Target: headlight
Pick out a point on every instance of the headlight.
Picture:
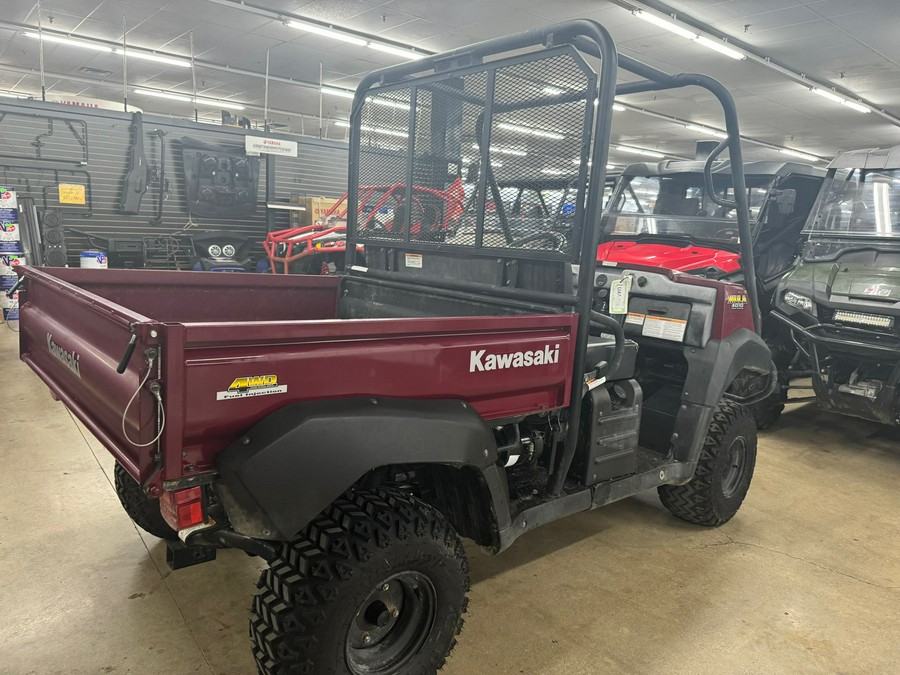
(798, 301)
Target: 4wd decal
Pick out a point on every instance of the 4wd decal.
(479, 360)
(737, 300)
(255, 385)
(70, 360)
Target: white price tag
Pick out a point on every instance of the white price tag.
(618, 295)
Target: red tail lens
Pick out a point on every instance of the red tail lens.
(183, 508)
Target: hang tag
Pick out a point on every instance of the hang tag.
(618, 295)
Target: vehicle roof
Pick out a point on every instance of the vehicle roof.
(868, 158)
(758, 168)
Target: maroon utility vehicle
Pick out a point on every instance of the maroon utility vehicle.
(350, 429)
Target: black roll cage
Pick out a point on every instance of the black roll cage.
(590, 38)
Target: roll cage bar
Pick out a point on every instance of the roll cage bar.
(590, 38)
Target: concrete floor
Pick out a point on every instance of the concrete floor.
(805, 579)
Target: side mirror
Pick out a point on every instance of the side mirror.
(785, 199)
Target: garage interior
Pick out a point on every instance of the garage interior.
(804, 579)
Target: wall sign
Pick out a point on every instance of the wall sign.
(256, 145)
(70, 193)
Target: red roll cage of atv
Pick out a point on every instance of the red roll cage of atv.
(433, 212)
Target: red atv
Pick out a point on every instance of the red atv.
(666, 215)
(320, 248)
(350, 429)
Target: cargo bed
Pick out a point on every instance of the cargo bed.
(234, 348)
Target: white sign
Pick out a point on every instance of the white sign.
(256, 145)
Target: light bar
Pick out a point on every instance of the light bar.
(396, 51)
(858, 107)
(640, 151)
(715, 133)
(328, 32)
(863, 319)
(531, 131)
(721, 47)
(668, 24)
(230, 105)
(801, 155)
(59, 39)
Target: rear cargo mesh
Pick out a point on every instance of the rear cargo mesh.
(423, 177)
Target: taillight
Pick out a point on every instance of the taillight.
(182, 509)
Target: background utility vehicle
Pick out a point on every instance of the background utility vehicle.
(664, 214)
(841, 304)
(350, 429)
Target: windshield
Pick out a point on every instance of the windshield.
(679, 205)
(861, 204)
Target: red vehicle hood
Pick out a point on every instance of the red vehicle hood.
(685, 258)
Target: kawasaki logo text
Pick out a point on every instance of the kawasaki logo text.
(70, 360)
(479, 361)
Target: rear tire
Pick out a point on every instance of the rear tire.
(723, 472)
(376, 584)
(143, 510)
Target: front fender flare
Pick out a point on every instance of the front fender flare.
(291, 465)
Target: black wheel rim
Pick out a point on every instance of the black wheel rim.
(735, 466)
(391, 624)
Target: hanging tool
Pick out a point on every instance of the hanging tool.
(161, 177)
(137, 177)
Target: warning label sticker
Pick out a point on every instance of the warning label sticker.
(634, 318)
(413, 260)
(664, 329)
(257, 385)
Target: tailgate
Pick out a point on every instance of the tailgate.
(74, 340)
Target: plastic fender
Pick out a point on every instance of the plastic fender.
(711, 371)
(287, 468)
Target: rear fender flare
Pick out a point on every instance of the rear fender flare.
(711, 371)
(292, 464)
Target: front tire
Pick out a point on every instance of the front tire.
(723, 472)
(143, 510)
(376, 584)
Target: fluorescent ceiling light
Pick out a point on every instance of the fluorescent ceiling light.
(640, 151)
(387, 102)
(328, 32)
(531, 131)
(553, 91)
(801, 155)
(824, 93)
(231, 105)
(97, 47)
(334, 91)
(858, 107)
(396, 51)
(618, 107)
(374, 130)
(553, 172)
(147, 56)
(707, 131)
(721, 47)
(12, 94)
(668, 24)
(504, 151)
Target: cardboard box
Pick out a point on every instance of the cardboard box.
(316, 208)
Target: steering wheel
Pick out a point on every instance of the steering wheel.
(728, 233)
(557, 241)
